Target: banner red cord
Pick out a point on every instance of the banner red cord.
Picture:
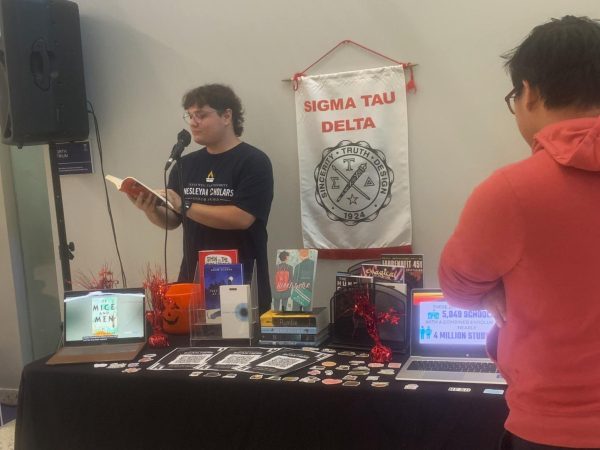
(410, 86)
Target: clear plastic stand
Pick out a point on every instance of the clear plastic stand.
(237, 324)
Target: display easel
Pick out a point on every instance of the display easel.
(206, 328)
(347, 330)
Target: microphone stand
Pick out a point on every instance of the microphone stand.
(183, 140)
(184, 220)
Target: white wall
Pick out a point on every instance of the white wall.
(32, 183)
(141, 55)
(15, 344)
(29, 307)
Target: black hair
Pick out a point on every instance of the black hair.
(219, 97)
(561, 58)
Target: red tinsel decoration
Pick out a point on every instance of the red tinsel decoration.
(363, 307)
(105, 279)
(157, 286)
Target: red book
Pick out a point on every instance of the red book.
(134, 187)
(206, 257)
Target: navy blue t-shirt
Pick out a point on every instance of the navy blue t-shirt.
(243, 177)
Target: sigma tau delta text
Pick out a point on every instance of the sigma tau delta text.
(340, 104)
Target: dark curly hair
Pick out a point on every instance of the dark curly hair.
(219, 97)
(561, 58)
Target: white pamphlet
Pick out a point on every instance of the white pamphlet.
(235, 311)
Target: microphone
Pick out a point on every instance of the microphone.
(183, 140)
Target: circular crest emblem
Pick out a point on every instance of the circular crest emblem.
(353, 182)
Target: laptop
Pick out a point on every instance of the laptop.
(448, 343)
(103, 325)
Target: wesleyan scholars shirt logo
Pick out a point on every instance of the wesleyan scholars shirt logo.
(210, 177)
(208, 192)
(353, 182)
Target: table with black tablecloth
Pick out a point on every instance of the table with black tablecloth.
(80, 407)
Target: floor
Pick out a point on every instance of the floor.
(7, 413)
(7, 427)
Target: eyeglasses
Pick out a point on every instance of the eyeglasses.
(510, 100)
(198, 116)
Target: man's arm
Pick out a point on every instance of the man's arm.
(226, 217)
(486, 244)
(223, 217)
(160, 216)
(495, 303)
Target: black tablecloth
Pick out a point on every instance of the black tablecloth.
(85, 408)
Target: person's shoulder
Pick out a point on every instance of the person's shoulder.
(194, 155)
(511, 180)
(253, 154)
(526, 171)
(251, 150)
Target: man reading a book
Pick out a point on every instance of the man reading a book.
(527, 243)
(223, 192)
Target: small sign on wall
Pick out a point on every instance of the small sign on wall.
(73, 157)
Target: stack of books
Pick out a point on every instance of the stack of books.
(299, 329)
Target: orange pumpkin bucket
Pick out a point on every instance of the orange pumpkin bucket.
(178, 299)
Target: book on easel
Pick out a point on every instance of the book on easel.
(413, 267)
(207, 257)
(295, 272)
(134, 187)
(345, 280)
(215, 276)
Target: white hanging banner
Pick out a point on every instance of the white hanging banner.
(353, 153)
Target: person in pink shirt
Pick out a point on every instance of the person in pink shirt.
(527, 245)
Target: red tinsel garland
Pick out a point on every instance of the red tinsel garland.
(105, 279)
(157, 287)
(363, 307)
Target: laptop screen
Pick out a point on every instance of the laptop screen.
(439, 329)
(104, 316)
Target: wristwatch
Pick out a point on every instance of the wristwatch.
(185, 206)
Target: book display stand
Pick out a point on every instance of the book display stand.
(356, 268)
(237, 321)
(348, 330)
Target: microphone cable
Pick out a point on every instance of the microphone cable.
(183, 140)
(183, 220)
(166, 223)
(184, 223)
(112, 222)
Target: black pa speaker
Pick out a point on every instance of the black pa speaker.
(42, 88)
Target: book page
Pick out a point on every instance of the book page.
(133, 187)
